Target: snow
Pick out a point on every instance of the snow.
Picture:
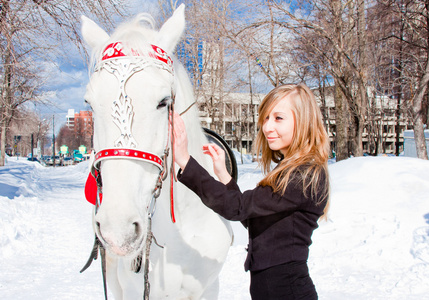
(375, 244)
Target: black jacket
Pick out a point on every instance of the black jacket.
(280, 227)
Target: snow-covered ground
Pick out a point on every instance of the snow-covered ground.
(375, 244)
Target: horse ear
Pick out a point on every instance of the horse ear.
(171, 32)
(93, 34)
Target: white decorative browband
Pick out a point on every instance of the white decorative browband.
(117, 50)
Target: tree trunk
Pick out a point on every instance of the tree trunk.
(3, 144)
(358, 117)
(353, 135)
(398, 94)
(341, 125)
(362, 99)
(6, 100)
(419, 134)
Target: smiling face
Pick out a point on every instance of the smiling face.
(279, 125)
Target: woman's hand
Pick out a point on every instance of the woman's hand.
(180, 138)
(218, 156)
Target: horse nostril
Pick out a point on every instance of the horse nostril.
(97, 224)
(137, 228)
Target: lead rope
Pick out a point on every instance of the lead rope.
(172, 170)
(146, 263)
(94, 255)
(149, 233)
(103, 269)
(100, 245)
(157, 191)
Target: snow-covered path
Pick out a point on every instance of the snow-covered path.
(374, 246)
(51, 238)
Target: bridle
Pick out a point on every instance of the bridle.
(124, 62)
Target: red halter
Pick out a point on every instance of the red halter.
(129, 154)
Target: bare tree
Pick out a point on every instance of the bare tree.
(405, 26)
(66, 136)
(267, 39)
(255, 33)
(370, 50)
(208, 56)
(415, 15)
(341, 27)
(33, 32)
(27, 132)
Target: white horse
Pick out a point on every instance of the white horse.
(131, 89)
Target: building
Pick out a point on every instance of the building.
(236, 116)
(410, 144)
(82, 125)
(235, 120)
(383, 127)
(81, 122)
(70, 119)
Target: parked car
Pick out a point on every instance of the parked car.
(45, 157)
(77, 156)
(33, 159)
(67, 161)
(50, 161)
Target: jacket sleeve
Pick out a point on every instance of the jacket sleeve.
(229, 202)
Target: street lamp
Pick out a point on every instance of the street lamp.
(41, 133)
(53, 141)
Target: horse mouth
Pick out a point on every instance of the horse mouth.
(129, 247)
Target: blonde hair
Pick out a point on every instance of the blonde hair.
(307, 155)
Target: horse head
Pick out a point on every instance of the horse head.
(131, 92)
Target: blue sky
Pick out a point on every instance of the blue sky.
(67, 79)
(65, 89)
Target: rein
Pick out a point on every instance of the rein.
(189, 107)
(125, 147)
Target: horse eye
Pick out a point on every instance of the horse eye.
(164, 102)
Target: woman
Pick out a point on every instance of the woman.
(282, 211)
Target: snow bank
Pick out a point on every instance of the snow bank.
(375, 244)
